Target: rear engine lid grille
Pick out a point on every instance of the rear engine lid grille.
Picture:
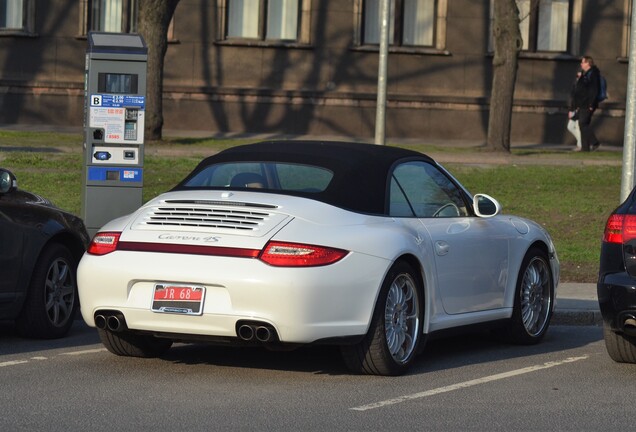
(209, 217)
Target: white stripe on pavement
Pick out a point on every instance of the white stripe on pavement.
(40, 358)
(466, 384)
(91, 351)
(13, 363)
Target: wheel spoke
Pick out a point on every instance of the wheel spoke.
(59, 292)
(535, 296)
(401, 317)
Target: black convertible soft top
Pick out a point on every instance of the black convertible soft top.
(361, 171)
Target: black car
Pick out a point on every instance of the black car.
(617, 282)
(40, 247)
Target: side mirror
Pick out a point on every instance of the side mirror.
(8, 182)
(486, 206)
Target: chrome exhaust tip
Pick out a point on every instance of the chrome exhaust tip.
(263, 334)
(116, 323)
(100, 322)
(246, 332)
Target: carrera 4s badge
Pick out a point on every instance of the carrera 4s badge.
(189, 238)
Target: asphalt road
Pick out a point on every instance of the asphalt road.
(464, 383)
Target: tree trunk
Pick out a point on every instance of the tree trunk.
(153, 21)
(507, 43)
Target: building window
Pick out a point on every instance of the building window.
(270, 20)
(544, 24)
(16, 17)
(114, 16)
(412, 23)
(549, 26)
(627, 29)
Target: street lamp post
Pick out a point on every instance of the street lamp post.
(629, 142)
(380, 114)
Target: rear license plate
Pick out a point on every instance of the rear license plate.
(178, 299)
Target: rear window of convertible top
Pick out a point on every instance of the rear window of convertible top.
(267, 175)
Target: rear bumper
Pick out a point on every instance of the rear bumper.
(301, 305)
(617, 301)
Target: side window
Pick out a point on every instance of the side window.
(420, 188)
(17, 17)
(266, 20)
(398, 205)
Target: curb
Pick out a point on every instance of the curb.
(573, 317)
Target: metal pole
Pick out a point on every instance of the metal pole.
(380, 114)
(629, 142)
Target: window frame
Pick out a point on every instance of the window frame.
(439, 30)
(85, 19)
(28, 22)
(627, 30)
(573, 49)
(303, 38)
(534, 26)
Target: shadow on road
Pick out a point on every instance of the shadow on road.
(442, 354)
(79, 337)
(438, 355)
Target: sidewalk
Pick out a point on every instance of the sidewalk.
(576, 304)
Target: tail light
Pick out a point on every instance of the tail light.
(281, 254)
(620, 228)
(104, 243)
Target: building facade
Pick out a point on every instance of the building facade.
(309, 67)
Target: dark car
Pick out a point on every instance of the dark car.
(40, 246)
(617, 282)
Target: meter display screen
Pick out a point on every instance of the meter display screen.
(117, 83)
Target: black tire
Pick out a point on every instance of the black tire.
(51, 300)
(395, 333)
(620, 347)
(534, 300)
(129, 344)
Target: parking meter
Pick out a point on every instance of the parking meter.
(114, 109)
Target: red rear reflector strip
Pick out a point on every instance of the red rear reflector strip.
(188, 249)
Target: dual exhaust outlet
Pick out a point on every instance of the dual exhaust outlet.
(110, 320)
(255, 331)
(247, 331)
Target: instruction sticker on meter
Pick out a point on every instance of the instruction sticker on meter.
(121, 117)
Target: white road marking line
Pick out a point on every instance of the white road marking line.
(40, 358)
(466, 384)
(13, 363)
(91, 351)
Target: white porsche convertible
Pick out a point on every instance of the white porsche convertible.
(368, 247)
